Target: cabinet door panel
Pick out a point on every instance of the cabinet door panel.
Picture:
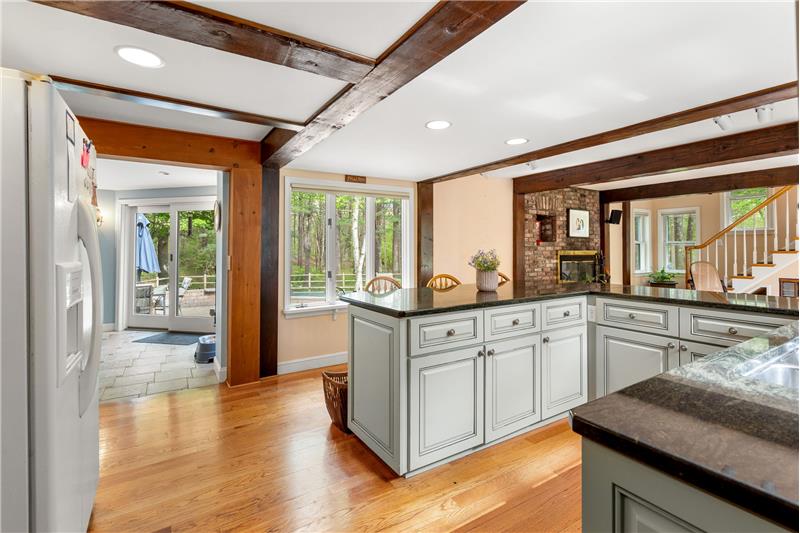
(564, 370)
(511, 321)
(694, 351)
(566, 312)
(512, 386)
(446, 405)
(628, 357)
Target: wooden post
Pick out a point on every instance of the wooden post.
(424, 233)
(518, 275)
(626, 243)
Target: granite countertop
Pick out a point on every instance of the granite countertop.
(424, 301)
(714, 424)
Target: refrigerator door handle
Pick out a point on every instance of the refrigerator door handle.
(87, 233)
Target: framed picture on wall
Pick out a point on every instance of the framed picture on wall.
(578, 222)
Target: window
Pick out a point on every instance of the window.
(339, 237)
(641, 241)
(678, 228)
(738, 203)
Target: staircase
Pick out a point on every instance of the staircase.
(753, 259)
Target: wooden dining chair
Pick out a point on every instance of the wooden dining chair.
(703, 276)
(442, 282)
(382, 285)
(503, 278)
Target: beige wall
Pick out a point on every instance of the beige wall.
(469, 214)
(302, 337)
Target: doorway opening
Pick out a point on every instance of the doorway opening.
(164, 242)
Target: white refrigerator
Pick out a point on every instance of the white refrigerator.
(50, 320)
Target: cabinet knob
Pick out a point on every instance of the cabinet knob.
(671, 345)
(566, 313)
(733, 331)
(490, 352)
(481, 353)
(684, 347)
(546, 340)
(631, 315)
(515, 322)
(451, 332)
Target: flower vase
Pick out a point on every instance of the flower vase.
(486, 280)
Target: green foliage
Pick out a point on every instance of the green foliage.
(661, 276)
(485, 261)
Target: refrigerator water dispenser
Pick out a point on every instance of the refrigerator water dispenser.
(69, 306)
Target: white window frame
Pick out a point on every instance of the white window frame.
(332, 304)
(647, 244)
(725, 212)
(661, 243)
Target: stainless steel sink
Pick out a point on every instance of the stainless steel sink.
(783, 371)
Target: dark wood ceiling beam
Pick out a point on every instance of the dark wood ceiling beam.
(696, 114)
(174, 104)
(206, 27)
(762, 143)
(773, 177)
(447, 27)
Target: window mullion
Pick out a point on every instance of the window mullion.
(330, 248)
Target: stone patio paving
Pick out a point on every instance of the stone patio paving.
(132, 369)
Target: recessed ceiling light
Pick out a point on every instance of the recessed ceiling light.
(517, 140)
(438, 125)
(139, 56)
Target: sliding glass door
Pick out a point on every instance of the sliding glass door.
(173, 283)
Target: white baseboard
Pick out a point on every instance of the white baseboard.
(111, 326)
(309, 363)
(220, 371)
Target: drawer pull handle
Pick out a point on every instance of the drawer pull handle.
(684, 347)
(632, 316)
(733, 331)
(515, 322)
(671, 345)
(566, 313)
(546, 340)
(481, 353)
(451, 332)
(490, 352)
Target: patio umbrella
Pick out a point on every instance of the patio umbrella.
(146, 256)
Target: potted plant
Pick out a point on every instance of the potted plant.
(485, 265)
(662, 278)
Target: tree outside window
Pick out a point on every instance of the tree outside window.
(738, 203)
(678, 230)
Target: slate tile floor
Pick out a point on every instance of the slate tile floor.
(132, 369)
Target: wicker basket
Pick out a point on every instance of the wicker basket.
(334, 384)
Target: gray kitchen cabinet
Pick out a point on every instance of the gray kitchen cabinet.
(628, 357)
(513, 370)
(564, 370)
(694, 351)
(725, 328)
(445, 404)
(638, 316)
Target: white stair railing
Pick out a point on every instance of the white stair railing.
(731, 267)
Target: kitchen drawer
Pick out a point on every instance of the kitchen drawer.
(694, 351)
(563, 312)
(725, 328)
(510, 321)
(446, 331)
(639, 316)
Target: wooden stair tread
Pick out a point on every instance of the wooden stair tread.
(742, 277)
(783, 252)
(763, 264)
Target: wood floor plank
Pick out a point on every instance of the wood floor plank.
(265, 457)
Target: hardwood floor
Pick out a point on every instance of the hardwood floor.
(265, 457)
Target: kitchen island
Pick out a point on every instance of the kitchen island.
(435, 375)
(708, 446)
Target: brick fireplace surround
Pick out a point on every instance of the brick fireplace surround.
(541, 261)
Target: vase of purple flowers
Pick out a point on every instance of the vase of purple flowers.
(485, 264)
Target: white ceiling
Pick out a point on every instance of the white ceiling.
(366, 28)
(556, 71)
(783, 112)
(761, 164)
(122, 111)
(116, 175)
(52, 41)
